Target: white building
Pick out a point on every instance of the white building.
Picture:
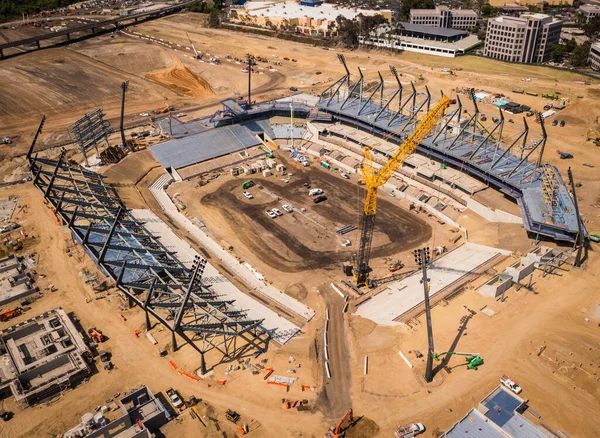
(419, 38)
(528, 38)
(442, 16)
(589, 12)
(595, 56)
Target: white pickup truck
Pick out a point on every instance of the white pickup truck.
(174, 397)
(409, 431)
(510, 384)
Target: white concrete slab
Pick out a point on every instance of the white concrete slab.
(401, 296)
(280, 328)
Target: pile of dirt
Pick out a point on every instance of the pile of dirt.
(181, 79)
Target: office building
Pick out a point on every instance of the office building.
(442, 16)
(595, 56)
(527, 39)
(589, 12)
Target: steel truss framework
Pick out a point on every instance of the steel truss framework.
(150, 276)
(511, 163)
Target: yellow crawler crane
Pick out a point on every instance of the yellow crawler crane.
(375, 179)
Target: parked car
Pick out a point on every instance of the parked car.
(305, 163)
(293, 89)
(181, 115)
(287, 208)
(286, 59)
(319, 199)
(315, 192)
(318, 73)
(294, 60)
(144, 114)
(248, 195)
(554, 122)
(271, 214)
(345, 175)
(562, 123)
(277, 212)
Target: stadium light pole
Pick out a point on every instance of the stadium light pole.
(124, 87)
(422, 258)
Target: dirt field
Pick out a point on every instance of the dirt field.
(300, 241)
(541, 338)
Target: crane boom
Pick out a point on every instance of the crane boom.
(375, 179)
(196, 54)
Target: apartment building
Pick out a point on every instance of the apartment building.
(527, 39)
(595, 56)
(442, 16)
(589, 12)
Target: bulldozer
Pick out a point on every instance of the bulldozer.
(339, 430)
(96, 335)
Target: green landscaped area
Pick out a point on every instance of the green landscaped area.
(492, 66)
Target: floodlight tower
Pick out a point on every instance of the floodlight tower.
(250, 61)
(124, 86)
(422, 258)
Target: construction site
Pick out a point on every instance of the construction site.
(202, 237)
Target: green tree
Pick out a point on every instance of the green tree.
(592, 29)
(580, 55)
(558, 52)
(214, 19)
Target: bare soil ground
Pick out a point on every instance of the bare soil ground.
(560, 380)
(308, 238)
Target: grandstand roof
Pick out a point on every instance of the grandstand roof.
(209, 144)
(429, 30)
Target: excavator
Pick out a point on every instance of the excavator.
(593, 135)
(473, 359)
(360, 268)
(339, 431)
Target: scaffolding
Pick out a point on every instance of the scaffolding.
(550, 191)
(149, 275)
(90, 130)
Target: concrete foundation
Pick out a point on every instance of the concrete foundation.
(496, 286)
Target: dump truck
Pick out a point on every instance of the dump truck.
(409, 431)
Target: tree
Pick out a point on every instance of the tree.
(558, 52)
(214, 19)
(481, 35)
(579, 57)
(489, 11)
(592, 29)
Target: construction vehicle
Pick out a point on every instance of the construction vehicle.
(232, 416)
(163, 110)
(338, 431)
(10, 314)
(473, 359)
(409, 431)
(510, 384)
(96, 335)
(197, 55)
(593, 135)
(396, 266)
(175, 399)
(374, 180)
